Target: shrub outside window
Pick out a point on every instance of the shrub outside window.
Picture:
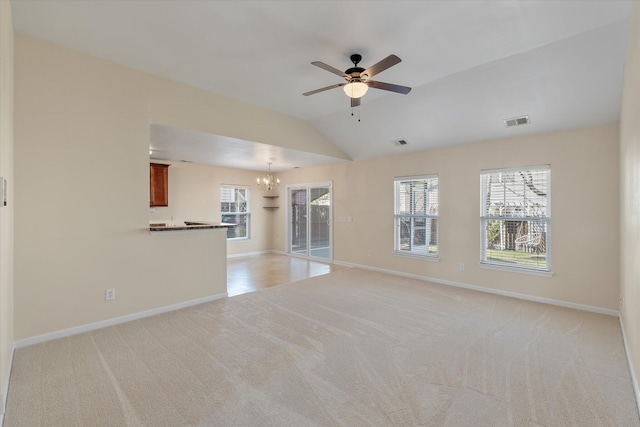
(515, 217)
(235, 209)
(416, 215)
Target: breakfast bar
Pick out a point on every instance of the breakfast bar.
(161, 227)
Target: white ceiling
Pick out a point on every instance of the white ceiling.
(168, 143)
(470, 63)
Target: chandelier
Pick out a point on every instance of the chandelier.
(268, 183)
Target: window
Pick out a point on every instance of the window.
(515, 217)
(416, 215)
(235, 208)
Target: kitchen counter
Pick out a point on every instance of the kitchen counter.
(188, 225)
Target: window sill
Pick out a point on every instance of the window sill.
(522, 270)
(431, 258)
(238, 239)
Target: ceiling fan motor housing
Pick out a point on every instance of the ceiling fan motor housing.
(355, 71)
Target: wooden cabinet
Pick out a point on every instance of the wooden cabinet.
(158, 184)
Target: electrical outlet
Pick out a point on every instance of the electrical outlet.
(110, 294)
(369, 253)
(461, 267)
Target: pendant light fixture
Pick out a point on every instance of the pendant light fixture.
(268, 182)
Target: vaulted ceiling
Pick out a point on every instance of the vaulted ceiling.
(471, 64)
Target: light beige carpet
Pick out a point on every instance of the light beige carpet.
(351, 348)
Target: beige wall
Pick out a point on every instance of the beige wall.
(82, 187)
(584, 200)
(630, 191)
(83, 168)
(194, 195)
(6, 171)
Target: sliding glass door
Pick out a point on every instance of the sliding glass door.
(309, 220)
(298, 221)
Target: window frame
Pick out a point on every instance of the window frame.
(544, 219)
(398, 216)
(236, 214)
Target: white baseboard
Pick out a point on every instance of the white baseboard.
(266, 251)
(244, 254)
(5, 386)
(526, 297)
(517, 295)
(114, 321)
(634, 378)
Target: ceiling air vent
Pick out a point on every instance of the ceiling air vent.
(400, 142)
(516, 121)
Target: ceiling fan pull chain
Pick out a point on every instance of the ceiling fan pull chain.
(358, 107)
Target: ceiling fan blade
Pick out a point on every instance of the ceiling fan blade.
(388, 86)
(323, 89)
(329, 68)
(387, 62)
(355, 102)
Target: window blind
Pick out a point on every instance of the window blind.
(416, 215)
(235, 209)
(515, 216)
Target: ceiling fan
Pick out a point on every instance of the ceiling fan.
(357, 78)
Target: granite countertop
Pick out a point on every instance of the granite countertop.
(188, 225)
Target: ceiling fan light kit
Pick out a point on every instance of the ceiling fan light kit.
(355, 89)
(357, 78)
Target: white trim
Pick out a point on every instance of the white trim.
(543, 167)
(5, 386)
(414, 177)
(233, 188)
(514, 218)
(238, 239)
(288, 219)
(311, 184)
(236, 185)
(517, 295)
(247, 254)
(430, 258)
(305, 257)
(634, 378)
(397, 216)
(114, 321)
(484, 218)
(521, 270)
